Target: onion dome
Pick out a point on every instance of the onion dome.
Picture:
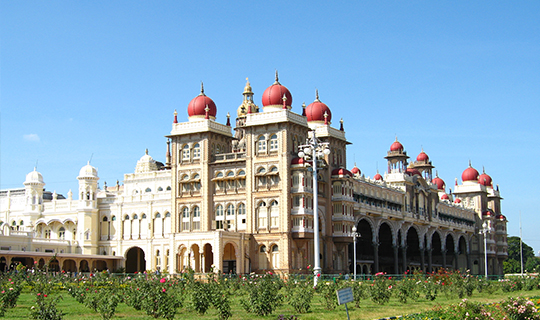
(445, 197)
(422, 156)
(378, 177)
(88, 171)
(273, 95)
(34, 177)
(341, 172)
(485, 179)
(355, 170)
(487, 213)
(396, 146)
(317, 111)
(439, 182)
(197, 108)
(146, 164)
(458, 200)
(500, 217)
(412, 172)
(470, 174)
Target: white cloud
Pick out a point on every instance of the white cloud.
(31, 137)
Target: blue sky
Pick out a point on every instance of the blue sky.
(101, 79)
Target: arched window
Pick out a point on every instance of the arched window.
(196, 218)
(230, 210)
(219, 211)
(113, 218)
(62, 233)
(230, 174)
(219, 175)
(261, 170)
(274, 169)
(158, 215)
(126, 217)
(185, 219)
(135, 217)
(197, 151)
(263, 260)
(262, 249)
(144, 216)
(241, 209)
(261, 144)
(169, 188)
(274, 214)
(167, 215)
(196, 212)
(105, 219)
(273, 143)
(148, 190)
(275, 257)
(160, 189)
(185, 212)
(262, 214)
(185, 153)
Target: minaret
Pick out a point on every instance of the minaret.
(397, 158)
(88, 218)
(33, 186)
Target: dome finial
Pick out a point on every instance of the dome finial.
(175, 116)
(317, 95)
(145, 152)
(277, 78)
(483, 170)
(202, 89)
(470, 166)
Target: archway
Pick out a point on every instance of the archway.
(450, 252)
(135, 260)
(436, 251)
(386, 249)
(462, 255)
(229, 259)
(208, 257)
(54, 265)
(195, 258)
(3, 264)
(83, 266)
(413, 250)
(69, 266)
(364, 245)
(100, 265)
(181, 259)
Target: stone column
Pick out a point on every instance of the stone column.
(404, 253)
(396, 254)
(456, 263)
(422, 259)
(468, 261)
(430, 259)
(376, 256)
(444, 258)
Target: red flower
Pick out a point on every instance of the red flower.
(163, 280)
(45, 295)
(318, 274)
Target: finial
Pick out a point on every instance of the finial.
(228, 119)
(470, 163)
(202, 89)
(146, 151)
(277, 78)
(175, 116)
(456, 181)
(304, 108)
(437, 173)
(396, 138)
(284, 101)
(483, 170)
(326, 118)
(341, 125)
(206, 110)
(317, 95)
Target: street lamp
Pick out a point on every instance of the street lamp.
(485, 230)
(354, 235)
(315, 150)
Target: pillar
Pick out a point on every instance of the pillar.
(422, 260)
(444, 258)
(376, 256)
(430, 259)
(396, 267)
(404, 253)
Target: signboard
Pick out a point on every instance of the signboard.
(344, 295)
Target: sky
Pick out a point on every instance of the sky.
(99, 81)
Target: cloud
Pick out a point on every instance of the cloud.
(31, 137)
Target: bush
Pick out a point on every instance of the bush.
(263, 294)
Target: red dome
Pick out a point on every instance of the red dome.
(422, 156)
(378, 177)
(412, 172)
(316, 111)
(439, 182)
(273, 95)
(198, 105)
(396, 146)
(341, 172)
(458, 200)
(485, 180)
(355, 170)
(470, 174)
(487, 213)
(500, 217)
(445, 197)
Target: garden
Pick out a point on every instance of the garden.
(440, 295)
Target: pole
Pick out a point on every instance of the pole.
(354, 263)
(520, 244)
(317, 261)
(485, 250)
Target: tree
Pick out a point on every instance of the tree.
(513, 263)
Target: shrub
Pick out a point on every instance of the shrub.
(263, 294)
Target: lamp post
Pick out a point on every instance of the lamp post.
(315, 150)
(354, 235)
(485, 230)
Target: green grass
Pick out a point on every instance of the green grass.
(369, 310)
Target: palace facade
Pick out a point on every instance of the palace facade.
(242, 200)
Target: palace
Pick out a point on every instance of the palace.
(241, 199)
